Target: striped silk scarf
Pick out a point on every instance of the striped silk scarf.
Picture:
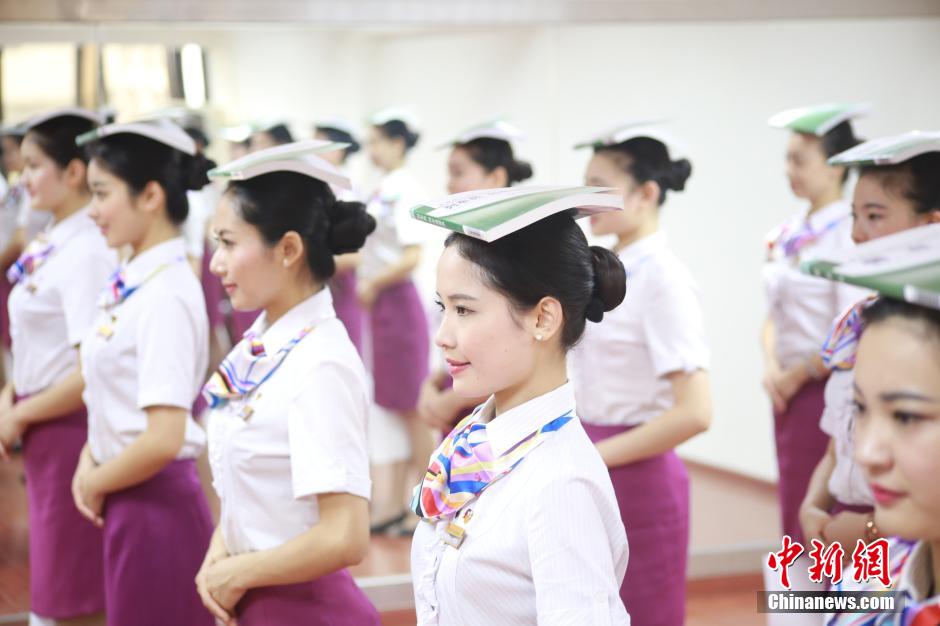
(33, 256)
(245, 368)
(464, 465)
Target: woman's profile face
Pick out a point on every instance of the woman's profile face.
(897, 425)
(482, 339)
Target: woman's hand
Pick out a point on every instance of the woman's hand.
(814, 520)
(216, 552)
(367, 294)
(88, 501)
(220, 581)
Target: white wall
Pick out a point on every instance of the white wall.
(719, 81)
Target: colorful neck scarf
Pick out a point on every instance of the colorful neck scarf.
(838, 352)
(33, 256)
(465, 464)
(245, 368)
(793, 240)
(118, 290)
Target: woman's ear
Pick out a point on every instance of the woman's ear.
(291, 249)
(76, 173)
(649, 192)
(546, 320)
(151, 198)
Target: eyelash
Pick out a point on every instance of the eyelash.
(903, 417)
(460, 309)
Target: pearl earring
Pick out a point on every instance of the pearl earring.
(538, 337)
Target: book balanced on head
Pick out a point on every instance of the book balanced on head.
(493, 213)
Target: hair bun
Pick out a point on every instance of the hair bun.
(679, 173)
(196, 172)
(519, 171)
(610, 283)
(350, 224)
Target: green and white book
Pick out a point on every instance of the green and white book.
(299, 156)
(905, 266)
(890, 150)
(493, 213)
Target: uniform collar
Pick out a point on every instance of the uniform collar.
(75, 223)
(511, 427)
(312, 311)
(642, 248)
(144, 264)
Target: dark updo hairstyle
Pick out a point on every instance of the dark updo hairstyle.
(490, 153)
(341, 136)
(56, 138)
(550, 258)
(647, 159)
(137, 160)
(280, 134)
(838, 139)
(281, 202)
(884, 309)
(917, 180)
(397, 129)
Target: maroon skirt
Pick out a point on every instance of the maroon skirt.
(155, 537)
(65, 550)
(331, 600)
(801, 444)
(346, 305)
(653, 496)
(400, 347)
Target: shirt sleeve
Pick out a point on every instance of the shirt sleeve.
(674, 327)
(327, 431)
(410, 231)
(570, 553)
(167, 353)
(80, 291)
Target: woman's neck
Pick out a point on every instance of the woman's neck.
(646, 229)
(824, 199)
(287, 299)
(70, 207)
(552, 374)
(160, 232)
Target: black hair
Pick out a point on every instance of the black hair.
(397, 129)
(281, 202)
(339, 135)
(56, 138)
(647, 159)
(550, 258)
(280, 134)
(917, 179)
(490, 153)
(884, 308)
(137, 160)
(202, 141)
(838, 139)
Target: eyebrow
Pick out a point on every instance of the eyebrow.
(873, 205)
(220, 232)
(458, 296)
(894, 396)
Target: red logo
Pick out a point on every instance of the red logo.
(869, 561)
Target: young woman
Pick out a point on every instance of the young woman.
(520, 521)
(640, 375)
(287, 432)
(397, 325)
(897, 439)
(480, 158)
(56, 283)
(800, 307)
(343, 283)
(142, 365)
(888, 199)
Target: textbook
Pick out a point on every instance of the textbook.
(905, 266)
(493, 213)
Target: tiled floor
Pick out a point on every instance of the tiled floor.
(727, 511)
